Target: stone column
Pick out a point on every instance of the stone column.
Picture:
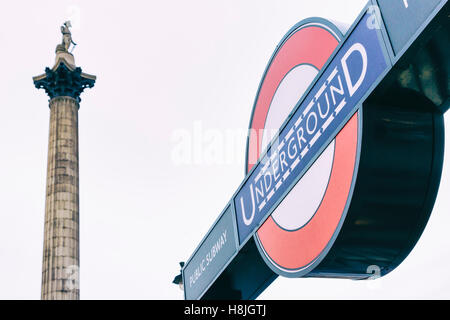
(60, 267)
(61, 243)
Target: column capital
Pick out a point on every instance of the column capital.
(64, 79)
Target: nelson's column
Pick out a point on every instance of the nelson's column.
(63, 83)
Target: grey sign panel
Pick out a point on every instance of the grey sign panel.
(211, 256)
(403, 18)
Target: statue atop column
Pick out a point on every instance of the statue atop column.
(66, 38)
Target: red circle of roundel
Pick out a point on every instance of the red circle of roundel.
(291, 251)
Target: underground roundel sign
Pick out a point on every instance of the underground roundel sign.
(344, 155)
(304, 224)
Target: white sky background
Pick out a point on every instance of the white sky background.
(162, 66)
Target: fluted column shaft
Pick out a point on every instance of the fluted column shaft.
(60, 268)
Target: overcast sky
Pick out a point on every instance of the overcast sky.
(163, 68)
